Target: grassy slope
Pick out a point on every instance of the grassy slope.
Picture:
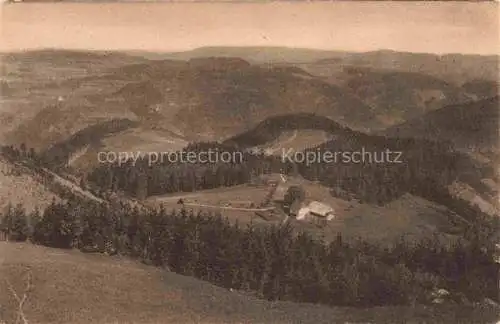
(17, 185)
(72, 287)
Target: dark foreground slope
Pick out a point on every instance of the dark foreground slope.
(72, 287)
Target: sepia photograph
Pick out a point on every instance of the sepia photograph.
(249, 162)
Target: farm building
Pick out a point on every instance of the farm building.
(316, 211)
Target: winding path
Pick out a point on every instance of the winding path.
(231, 208)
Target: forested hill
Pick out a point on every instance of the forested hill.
(271, 128)
(474, 125)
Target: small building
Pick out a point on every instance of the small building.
(319, 209)
(316, 211)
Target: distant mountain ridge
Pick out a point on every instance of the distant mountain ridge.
(398, 96)
(209, 97)
(459, 66)
(215, 93)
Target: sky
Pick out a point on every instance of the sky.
(432, 27)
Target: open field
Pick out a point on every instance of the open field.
(409, 216)
(297, 140)
(205, 200)
(218, 195)
(72, 287)
(144, 140)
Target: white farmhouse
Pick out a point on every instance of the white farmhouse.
(316, 212)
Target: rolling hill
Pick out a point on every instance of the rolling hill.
(254, 54)
(471, 126)
(400, 96)
(454, 68)
(271, 128)
(91, 138)
(168, 103)
(209, 98)
(214, 93)
(217, 97)
(482, 89)
(396, 96)
(32, 89)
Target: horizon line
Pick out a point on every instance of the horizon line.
(180, 51)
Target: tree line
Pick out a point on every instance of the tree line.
(272, 262)
(428, 168)
(139, 179)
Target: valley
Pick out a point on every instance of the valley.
(264, 239)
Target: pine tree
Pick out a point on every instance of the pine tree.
(15, 223)
(56, 228)
(6, 219)
(293, 194)
(34, 218)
